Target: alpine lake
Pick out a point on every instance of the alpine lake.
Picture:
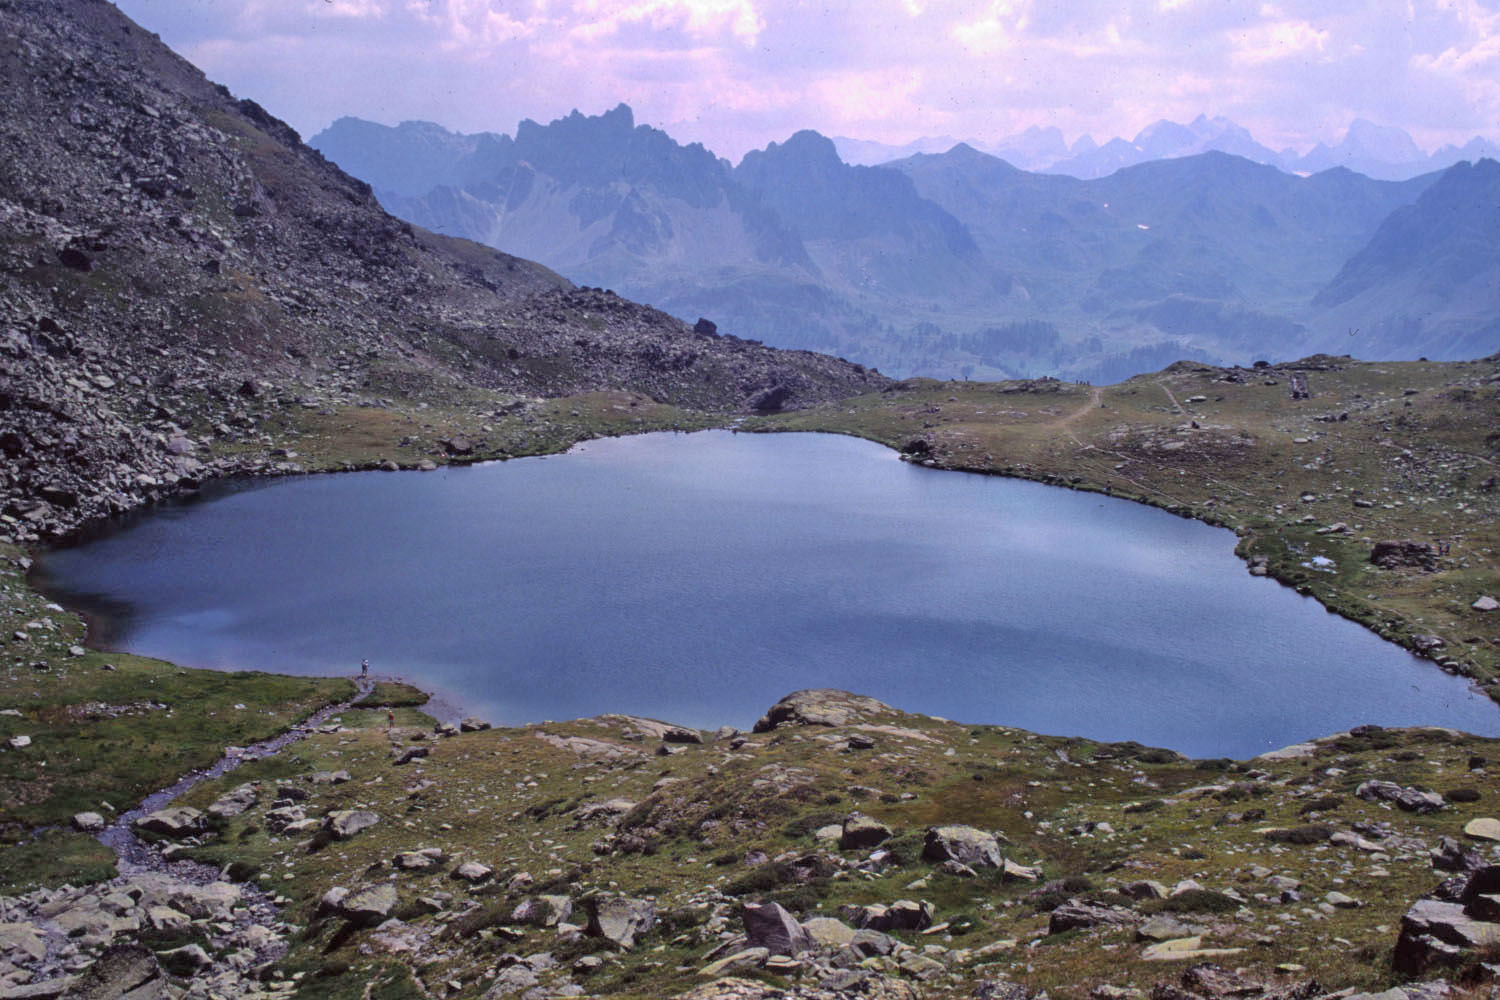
(697, 578)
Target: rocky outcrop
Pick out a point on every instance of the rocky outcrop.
(1459, 920)
(182, 270)
(620, 920)
(1394, 554)
(820, 707)
(964, 845)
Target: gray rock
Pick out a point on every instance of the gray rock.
(185, 961)
(1077, 914)
(869, 942)
(543, 911)
(860, 832)
(346, 823)
(368, 907)
(902, 915)
(232, 804)
(278, 819)
(419, 860)
(620, 919)
(1486, 603)
(1407, 799)
(770, 926)
(820, 707)
(178, 821)
(124, 972)
(473, 872)
(328, 778)
(828, 934)
(472, 725)
(963, 844)
(88, 822)
(1163, 928)
(410, 754)
(510, 981)
(678, 734)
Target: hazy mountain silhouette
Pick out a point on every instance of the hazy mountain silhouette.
(950, 263)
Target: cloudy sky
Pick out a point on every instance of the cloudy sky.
(737, 74)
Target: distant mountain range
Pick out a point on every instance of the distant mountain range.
(1377, 151)
(958, 263)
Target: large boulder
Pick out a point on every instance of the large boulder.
(177, 821)
(964, 844)
(620, 919)
(820, 707)
(345, 823)
(371, 906)
(235, 802)
(861, 832)
(1395, 554)
(1449, 927)
(1408, 799)
(543, 911)
(1075, 914)
(122, 970)
(770, 926)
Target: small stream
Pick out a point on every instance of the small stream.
(135, 855)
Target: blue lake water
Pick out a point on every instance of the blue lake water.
(698, 578)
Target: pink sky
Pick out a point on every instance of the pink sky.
(737, 74)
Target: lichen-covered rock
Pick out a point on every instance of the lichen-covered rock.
(964, 844)
(820, 707)
(346, 823)
(177, 821)
(770, 926)
(620, 920)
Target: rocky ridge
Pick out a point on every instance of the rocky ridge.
(177, 270)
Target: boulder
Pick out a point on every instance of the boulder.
(1407, 799)
(964, 844)
(511, 980)
(1483, 828)
(232, 804)
(419, 860)
(178, 821)
(368, 907)
(278, 819)
(1395, 554)
(543, 911)
(472, 725)
(860, 832)
(770, 926)
(410, 754)
(746, 958)
(819, 707)
(122, 970)
(1078, 914)
(188, 960)
(346, 823)
(1486, 603)
(679, 734)
(620, 919)
(1451, 856)
(902, 915)
(88, 822)
(473, 872)
(827, 933)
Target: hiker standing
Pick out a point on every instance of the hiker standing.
(364, 668)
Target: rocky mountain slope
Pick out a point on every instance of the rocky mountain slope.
(179, 269)
(1430, 276)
